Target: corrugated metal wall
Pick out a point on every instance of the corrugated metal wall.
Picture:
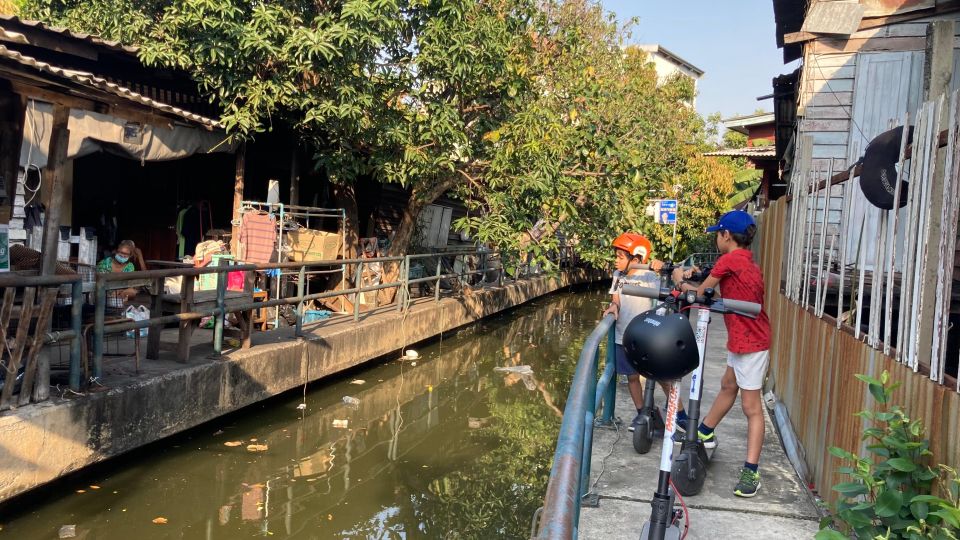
(813, 364)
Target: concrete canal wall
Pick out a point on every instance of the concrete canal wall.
(42, 442)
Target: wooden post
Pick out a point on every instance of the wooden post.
(156, 306)
(56, 156)
(937, 72)
(238, 180)
(186, 327)
(294, 177)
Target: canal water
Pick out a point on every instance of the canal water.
(444, 447)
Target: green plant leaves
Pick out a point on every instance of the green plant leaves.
(902, 464)
(890, 497)
(888, 503)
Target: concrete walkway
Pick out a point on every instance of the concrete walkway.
(782, 509)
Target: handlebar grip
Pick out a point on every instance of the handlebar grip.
(637, 290)
(740, 306)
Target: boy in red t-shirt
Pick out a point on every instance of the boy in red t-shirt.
(748, 340)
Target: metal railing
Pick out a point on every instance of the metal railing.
(190, 309)
(570, 475)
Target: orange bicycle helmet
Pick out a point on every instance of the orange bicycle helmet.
(635, 244)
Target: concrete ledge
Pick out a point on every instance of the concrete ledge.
(42, 442)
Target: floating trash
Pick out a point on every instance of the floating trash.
(68, 531)
(342, 424)
(410, 354)
(351, 401)
(519, 370)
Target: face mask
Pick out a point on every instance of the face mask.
(121, 259)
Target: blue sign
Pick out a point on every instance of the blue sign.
(667, 212)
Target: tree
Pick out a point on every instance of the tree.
(531, 111)
(734, 139)
(596, 142)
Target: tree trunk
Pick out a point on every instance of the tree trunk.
(404, 235)
(346, 198)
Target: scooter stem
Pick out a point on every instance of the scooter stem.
(661, 508)
(696, 380)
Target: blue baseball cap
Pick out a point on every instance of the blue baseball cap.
(735, 221)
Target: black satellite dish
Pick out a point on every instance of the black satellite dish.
(878, 178)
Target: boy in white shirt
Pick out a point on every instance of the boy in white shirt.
(632, 248)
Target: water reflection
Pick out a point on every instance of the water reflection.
(446, 448)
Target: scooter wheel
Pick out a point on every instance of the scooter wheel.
(688, 474)
(642, 435)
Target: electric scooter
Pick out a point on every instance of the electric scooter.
(690, 467)
(664, 522)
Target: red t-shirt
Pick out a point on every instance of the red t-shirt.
(741, 279)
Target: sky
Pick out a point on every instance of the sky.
(733, 41)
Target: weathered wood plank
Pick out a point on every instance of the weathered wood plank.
(828, 85)
(829, 150)
(837, 112)
(828, 99)
(833, 60)
(817, 125)
(30, 369)
(819, 72)
(13, 362)
(868, 45)
(828, 138)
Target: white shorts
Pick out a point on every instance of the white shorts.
(750, 368)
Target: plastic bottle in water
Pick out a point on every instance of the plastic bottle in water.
(351, 401)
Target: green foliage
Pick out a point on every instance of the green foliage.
(597, 141)
(889, 494)
(734, 139)
(530, 111)
(745, 185)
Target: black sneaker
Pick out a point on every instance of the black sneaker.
(636, 420)
(680, 430)
(748, 485)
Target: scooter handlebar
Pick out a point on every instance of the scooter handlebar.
(720, 305)
(646, 292)
(741, 307)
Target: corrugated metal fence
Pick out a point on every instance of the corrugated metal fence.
(813, 364)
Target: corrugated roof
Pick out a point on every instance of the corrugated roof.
(90, 80)
(755, 152)
(89, 38)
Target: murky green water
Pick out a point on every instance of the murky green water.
(447, 448)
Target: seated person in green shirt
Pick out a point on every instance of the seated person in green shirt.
(121, 262)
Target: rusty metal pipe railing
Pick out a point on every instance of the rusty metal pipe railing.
(570, 473)
(103, 284)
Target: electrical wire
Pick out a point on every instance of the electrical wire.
(686, 512)
(816, 64)
(603, 462)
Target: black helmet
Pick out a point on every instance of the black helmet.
(661, 347)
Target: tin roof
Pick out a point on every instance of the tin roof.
(89, 80)
(64, 32)
(752, 152)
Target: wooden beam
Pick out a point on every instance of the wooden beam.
(56, 156)
(842, 45)
(238, 181)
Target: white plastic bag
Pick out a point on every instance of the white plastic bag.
(137, 313)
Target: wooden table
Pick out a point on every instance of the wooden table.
(166, 304)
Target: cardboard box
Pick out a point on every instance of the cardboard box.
(311, 245)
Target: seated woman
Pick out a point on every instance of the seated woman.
(121, 262)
